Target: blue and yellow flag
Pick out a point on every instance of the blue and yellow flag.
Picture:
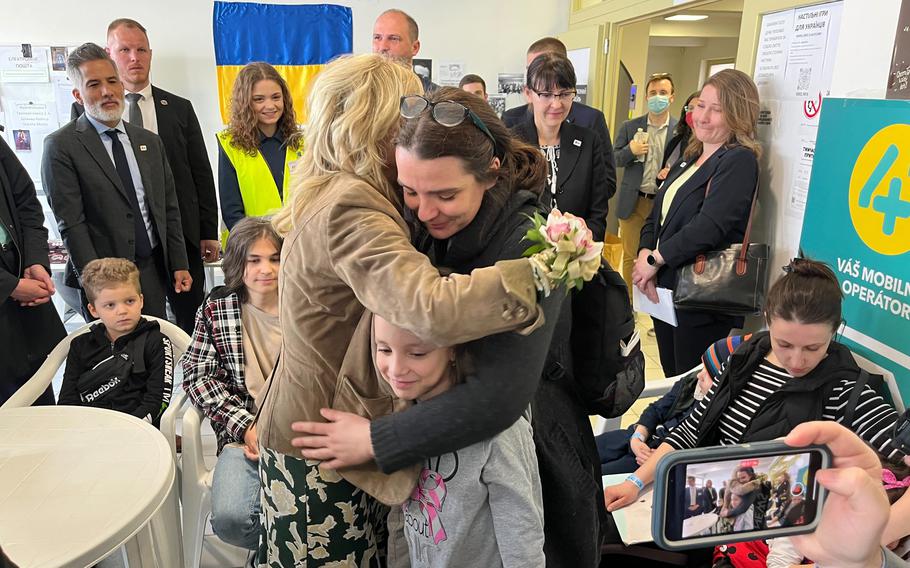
(298, 40)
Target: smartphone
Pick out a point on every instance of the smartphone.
(709, 496)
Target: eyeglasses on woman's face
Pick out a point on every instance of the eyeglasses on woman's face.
(562, 96)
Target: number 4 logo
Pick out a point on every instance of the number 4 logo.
(879, 210)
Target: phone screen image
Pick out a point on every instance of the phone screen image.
(710, 498)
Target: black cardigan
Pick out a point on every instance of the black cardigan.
(508, 366)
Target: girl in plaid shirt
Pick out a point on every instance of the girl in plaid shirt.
(235, 345)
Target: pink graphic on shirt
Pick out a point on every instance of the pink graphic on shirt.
(430, 494)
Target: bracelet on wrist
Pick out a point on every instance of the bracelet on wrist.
(638, 436)
(638, 482)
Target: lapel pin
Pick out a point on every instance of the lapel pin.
(142, 148)
(577, 143)
(682, 164)
(164, 102)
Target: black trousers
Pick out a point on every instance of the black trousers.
(681, 347)
(185, 304)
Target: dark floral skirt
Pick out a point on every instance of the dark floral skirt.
(314, 518)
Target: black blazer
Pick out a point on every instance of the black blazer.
(21, 216)
(91, 206)
(580, 115)
(27, 334)
(695, 224)
(179, 129)
(582, 185)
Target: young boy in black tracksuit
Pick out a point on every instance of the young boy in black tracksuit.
(123, 363)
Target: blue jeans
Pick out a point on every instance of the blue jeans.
(235, 499)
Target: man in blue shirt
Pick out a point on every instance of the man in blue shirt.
(111, 188)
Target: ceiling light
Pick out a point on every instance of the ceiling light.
(685, 18)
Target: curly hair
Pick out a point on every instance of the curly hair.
(243, 126)
(353, 117)
(108, 272)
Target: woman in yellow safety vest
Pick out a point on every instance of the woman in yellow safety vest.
(255, 149)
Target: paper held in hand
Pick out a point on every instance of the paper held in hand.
(664, 309)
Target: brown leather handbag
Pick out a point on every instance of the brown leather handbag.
(731, 281)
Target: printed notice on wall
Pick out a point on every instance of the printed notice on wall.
(799, 187)
(24, 64)
(806, 57)
(771, 59)
(29, 123)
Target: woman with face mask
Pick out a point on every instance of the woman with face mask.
(792, 373)
(576, 174)
(681, 134)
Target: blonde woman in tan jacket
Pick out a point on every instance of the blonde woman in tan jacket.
(347, 249)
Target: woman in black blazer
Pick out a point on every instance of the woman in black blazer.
(577, 176)
(685, 222)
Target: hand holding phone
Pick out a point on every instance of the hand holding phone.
(856, 510)
(765, 490)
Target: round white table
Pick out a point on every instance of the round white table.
(77, 483)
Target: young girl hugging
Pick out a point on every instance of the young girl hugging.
(478, 506)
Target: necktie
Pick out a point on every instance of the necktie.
(135, 117)
(143, 244)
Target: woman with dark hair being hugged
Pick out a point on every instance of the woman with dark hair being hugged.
(793, 373)
(257, 147)
(235, 345)
(576, 173)
(688, 220)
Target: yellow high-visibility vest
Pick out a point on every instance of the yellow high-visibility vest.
(257, 185)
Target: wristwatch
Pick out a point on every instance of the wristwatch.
(651, 260)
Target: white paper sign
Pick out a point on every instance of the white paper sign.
(450, 73)
(633, 521)
(15, 68)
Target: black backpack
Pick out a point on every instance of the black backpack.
(608, 383)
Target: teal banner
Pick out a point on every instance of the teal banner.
(858, 220)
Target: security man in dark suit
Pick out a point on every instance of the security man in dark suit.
(29, 324)
(174, 120)
(111, 188)
(580, 114)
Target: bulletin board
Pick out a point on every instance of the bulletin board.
(35, 99)
(794, 64)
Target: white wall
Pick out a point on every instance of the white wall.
(490, 37)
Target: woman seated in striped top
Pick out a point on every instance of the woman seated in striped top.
(793, 373)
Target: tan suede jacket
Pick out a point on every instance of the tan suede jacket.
(350, 250)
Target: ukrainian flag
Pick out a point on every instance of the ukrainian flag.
(298, 40)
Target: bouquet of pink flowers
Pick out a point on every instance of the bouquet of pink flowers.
(564, 251)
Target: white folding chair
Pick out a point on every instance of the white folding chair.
(195, 487)
(37, 384)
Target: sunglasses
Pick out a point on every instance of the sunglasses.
(446, 113)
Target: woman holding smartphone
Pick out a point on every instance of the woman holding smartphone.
(793, 373)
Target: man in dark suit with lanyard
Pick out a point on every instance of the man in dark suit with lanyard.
(579, 114)
(29, 324)
(111, 188)
(174, 120)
